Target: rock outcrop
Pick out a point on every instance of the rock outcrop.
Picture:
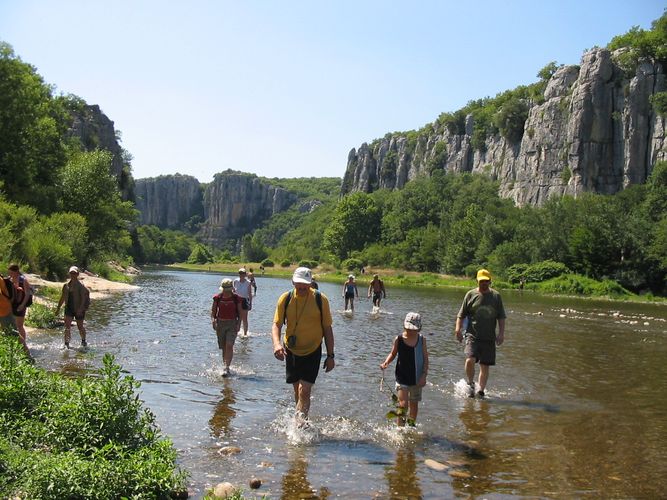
(96, 131)
(231, 206)
(595, 131)
(169, 201)
(236, 203)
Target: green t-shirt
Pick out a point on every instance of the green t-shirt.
(483, 311)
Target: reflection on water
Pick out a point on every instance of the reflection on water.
(576, 405)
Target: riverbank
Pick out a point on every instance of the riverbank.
(570, 285)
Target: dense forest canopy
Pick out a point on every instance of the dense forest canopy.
(60, 204)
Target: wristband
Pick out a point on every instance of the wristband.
(330, 356)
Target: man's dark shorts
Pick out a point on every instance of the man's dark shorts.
(245, 304)
(484, 351)
(69, 312)
(349, 295)
(303, 367)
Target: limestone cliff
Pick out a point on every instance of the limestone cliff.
(594, 131)
(231, 206)
(169, 201)
(236, 203)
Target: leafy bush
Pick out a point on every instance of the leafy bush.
(580, 285)
(311, 264)
(535, 273)
(40, 316)
(659, 102)
(285, 263)
(200, 255)
(267, 263)
(101, 442)
(352, 264)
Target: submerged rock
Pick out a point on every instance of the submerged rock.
(435, 465)
(223, 490)
(229, 450)
(255, 483)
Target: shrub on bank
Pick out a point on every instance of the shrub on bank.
(574, 284)
(88, 437)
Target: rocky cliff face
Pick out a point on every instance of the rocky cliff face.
(169, 201)
(96, 131)
(595, 131)
(236, 203)
(233, 205)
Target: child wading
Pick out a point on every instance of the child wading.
(411, 367)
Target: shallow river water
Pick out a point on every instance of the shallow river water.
(576, 405)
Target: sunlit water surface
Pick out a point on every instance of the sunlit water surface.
(576, 405)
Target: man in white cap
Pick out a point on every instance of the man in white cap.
(76, 298)
(483, 308)
(243, 288)
(308, 317)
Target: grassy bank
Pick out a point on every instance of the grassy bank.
(88, 437)
(573, 285)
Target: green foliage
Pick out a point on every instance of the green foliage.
(285, 263)
(40, 316)
(352, 264)
(511, 118)
(310, 264)
(200, 255)
(642, 44)
(659, 102)
(90, 190)
(534, 273)
(267, 263)
(253, 249)
(101, 442)
(162, 246)
(355, 223)
(32, 128)
(573, 284)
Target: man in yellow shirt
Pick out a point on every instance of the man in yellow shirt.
(306, 313)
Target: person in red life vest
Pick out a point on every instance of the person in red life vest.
(226, 317)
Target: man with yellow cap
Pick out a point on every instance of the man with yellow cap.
(482, 308)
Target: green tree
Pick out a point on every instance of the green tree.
(356, 222)
(32, 125)
(90, 190)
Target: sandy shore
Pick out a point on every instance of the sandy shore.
(99, 287)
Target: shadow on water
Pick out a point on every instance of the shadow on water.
(549, 408)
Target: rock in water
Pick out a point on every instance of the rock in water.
(255, 483)
(435, 465)
(223, 490)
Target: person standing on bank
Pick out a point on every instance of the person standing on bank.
(243, 288)
(21, 283)
(350, 291)
(226, 317)
(76, 298)
(307, 315)
(483, 307)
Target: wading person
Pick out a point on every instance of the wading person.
(7, 321)
(226, 317)
(483, 307)
(21, 285)
(411, 367)
(76, 298)
(306, 314)
(376, 287)
(243, 288)
(349, 292)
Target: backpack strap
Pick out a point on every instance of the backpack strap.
(318, 300)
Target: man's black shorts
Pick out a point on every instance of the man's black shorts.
(484, 351)
(303, 368)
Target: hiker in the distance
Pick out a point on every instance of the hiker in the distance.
(251, 279)
(376, 287)
(76, 298)
(243, 288)
(226, 317)
(306, 313)
(7, 321)
(21, 284)
(350, 291)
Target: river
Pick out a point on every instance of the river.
(576, 406)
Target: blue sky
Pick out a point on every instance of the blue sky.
(286, 89)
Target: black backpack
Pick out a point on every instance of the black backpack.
(11, 290)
